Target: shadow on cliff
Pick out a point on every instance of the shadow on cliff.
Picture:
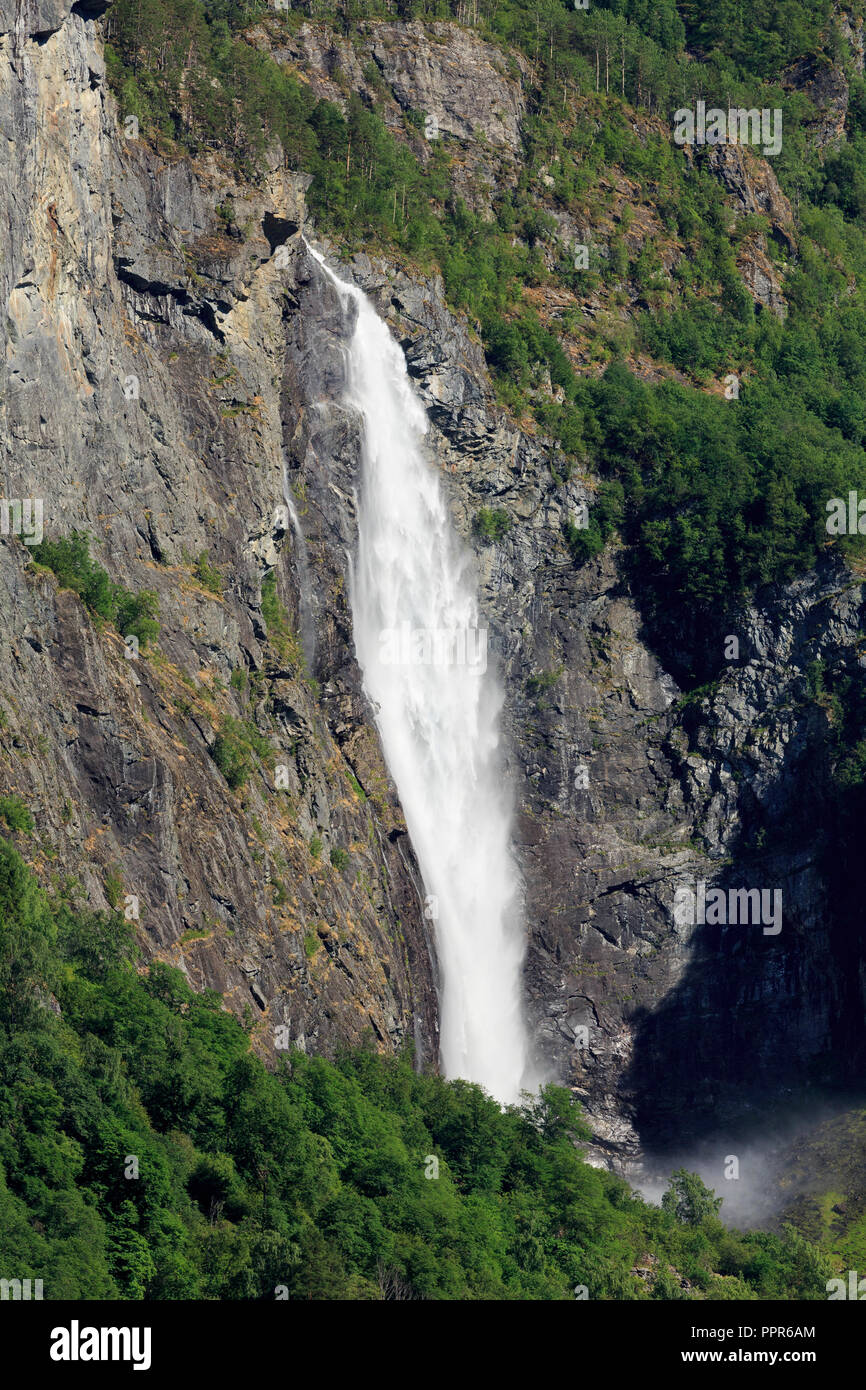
(758, 1020)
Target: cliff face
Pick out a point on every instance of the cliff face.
(147, 348)
(172, 358)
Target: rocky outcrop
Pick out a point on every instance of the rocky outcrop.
(753, 188)
(851, 29)
(445, 74)
(823, 78)
(454, 77)
(825, 85)
(429, 82)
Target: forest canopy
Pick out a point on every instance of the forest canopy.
(147, 1152)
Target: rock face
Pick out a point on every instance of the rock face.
(826, 86)
(822, 78)
(454, 77)
(148, 346)
(752, 187)
(439, 71)
(430, 82)
(173, 360)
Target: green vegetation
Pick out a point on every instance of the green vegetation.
(236, 748)
(312, 1178)
(827, 1168)
(339, 858)
(716, 497)
(207, 574)
(134, 615)
(491, 525)
(539, 685)
(15, 813)
(316, 846)
(356, 786)
(280, 634)
(113, 888)
(688, 1200)
(604, 517)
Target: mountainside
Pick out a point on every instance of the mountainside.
(643, 368)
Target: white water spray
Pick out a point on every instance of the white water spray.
(419, 647)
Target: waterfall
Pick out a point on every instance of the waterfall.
(423, 659)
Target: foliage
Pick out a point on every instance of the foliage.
(15, 813)
(605, 516)
(539, 685)
(491, 524)
(315, 1176)
(280, 634)
(71, 562)
(236, 748)
(689, 1200)
(207, 574)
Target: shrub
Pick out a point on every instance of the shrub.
(16, 815)
(74, 568)
(232, 757)
(113, 889)
(136, 615)
(207, 574)
(356, 787)
(604, 517)
(280, 634)
(538, 685)
(491, 524)
(236, 747)
(69, 559)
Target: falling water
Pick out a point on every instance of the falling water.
(423, 658)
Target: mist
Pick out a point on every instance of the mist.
(745, 1163)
